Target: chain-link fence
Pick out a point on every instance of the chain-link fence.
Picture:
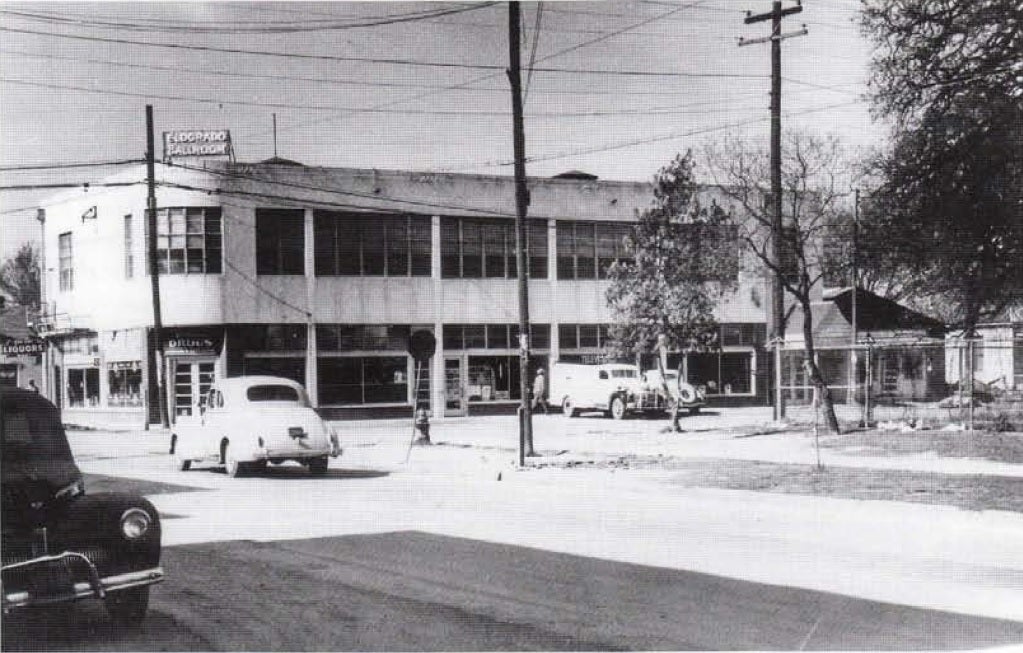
(974, 384)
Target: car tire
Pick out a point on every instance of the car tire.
(232, 465)
(173, 444)
(183, 464)
(617, 407)
(568, 408)
(257, 467)
(128, 607)
(318, 466)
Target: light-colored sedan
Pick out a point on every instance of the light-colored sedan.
(247, 421)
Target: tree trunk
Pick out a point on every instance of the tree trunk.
(668, 397)
(815, 373)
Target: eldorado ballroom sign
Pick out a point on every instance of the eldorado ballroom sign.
(196, 142)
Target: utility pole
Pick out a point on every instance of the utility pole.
(777, 291)
(855, 282)
(521, 205)
(154, 269)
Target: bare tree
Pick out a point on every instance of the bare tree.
(813, 205)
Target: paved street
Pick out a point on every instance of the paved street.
(458, 550)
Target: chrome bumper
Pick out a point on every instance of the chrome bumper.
(94, 587)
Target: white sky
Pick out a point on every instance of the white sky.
(407, 115)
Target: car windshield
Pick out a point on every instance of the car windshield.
(623, 374)
(273, 393)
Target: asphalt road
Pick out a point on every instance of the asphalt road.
(419, 591)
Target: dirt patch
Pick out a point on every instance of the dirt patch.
(969, 491)
(995, 447)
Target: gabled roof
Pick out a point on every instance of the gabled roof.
(876, 313)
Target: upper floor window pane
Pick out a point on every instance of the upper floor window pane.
(359, 244)
(280, 241)
(586, 250)
(485, 247)
(67, 272)
(129, 247)
(188, 240)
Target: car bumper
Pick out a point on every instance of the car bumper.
(63, 582)
(268, 453)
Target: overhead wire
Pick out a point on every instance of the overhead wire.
(336, 109)
(64, 166)
(405, 62)
(236, 28)
(532, 52)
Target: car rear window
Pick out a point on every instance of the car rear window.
(30, 430)
(272, 393)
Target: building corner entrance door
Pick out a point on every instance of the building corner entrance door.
(190, 381)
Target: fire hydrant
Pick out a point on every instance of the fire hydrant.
(422, 424)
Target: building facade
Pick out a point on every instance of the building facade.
(322, 275)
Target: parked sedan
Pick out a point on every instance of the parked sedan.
(248, 421)
(59, 544)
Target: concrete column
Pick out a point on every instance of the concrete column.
(311, 378)
(552, 249)
(437, 362)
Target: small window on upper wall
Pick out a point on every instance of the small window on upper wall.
(280, 241)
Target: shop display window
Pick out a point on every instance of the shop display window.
(363, 380)
(124, 384)
(83, 387)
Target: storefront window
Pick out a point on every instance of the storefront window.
(722, 373)
(363, 380)
(83, 387)
(496, 378)
(125, 384)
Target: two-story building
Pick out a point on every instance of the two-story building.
(322, 274)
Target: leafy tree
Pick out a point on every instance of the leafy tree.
(19, 276)
(949, 75)
(684, 257)
(813, 204)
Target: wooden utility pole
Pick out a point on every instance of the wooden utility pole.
(154, 269)
(777, 291)
(521, 205)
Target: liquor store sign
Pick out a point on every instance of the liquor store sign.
(23, 347)
(196, 142)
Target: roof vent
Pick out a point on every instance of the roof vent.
(576, 174)
(280, 161)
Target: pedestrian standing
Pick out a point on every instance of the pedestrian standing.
(540, 392)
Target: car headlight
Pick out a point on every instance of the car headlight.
(135, 523)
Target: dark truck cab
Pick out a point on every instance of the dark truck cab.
(59, 544)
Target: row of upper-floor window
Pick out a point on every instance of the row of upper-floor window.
(189, 240)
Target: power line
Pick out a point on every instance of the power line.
(401, 62)
(667, 137)
(63, 166)
(532, 52)
(491, 75)
(286, 28)
(85, 184)
(335, 109)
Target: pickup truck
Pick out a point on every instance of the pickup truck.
(616, 389)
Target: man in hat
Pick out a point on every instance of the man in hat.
(540, 392)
